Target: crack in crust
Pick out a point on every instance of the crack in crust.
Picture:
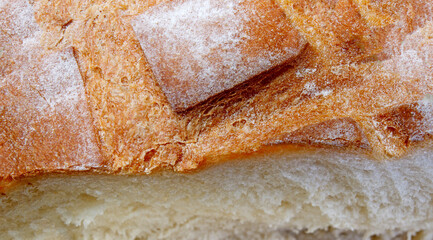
(354, 67)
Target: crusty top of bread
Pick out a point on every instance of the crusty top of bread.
(363, 81)
(197, 49)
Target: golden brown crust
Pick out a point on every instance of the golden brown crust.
(45, 121)
(197, 49)
(341, 132)
(370, 65)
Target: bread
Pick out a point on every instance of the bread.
(332, 142)
(219, 44)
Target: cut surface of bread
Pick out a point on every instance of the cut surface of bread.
(264, 196)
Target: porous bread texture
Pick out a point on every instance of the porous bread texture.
(261, 197)
(245, 198)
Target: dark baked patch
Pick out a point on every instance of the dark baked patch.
(341, 132)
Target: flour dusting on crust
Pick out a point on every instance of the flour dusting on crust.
(45, 120)
(200, 48)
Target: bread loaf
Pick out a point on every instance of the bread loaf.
(292, 120)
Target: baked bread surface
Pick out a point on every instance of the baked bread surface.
(366, 66)
(337, 141)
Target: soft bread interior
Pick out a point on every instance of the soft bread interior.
(321, 193)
